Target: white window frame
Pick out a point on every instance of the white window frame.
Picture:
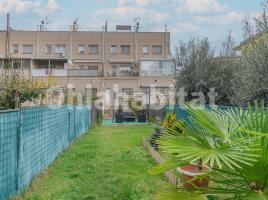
(60, 49)
(114, 49)
(81, 49)
(145, 49)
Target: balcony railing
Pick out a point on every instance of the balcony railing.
(26, 72)
(84, 73)
(49, 72)
(126, 73)
(157, 73)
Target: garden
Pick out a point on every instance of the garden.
(106, 163)
(214, 153)
(205, 151)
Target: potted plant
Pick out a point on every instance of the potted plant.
(194, 176)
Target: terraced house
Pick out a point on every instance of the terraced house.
(134, 60)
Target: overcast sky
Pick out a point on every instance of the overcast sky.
(185, 18)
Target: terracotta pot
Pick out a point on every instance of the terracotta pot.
(191, 173)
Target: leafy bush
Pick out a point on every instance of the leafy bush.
(157, 131)
(171, 122)
(16, 89)
(251, 80)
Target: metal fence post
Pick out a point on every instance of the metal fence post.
(92, 114)
(74, 122)
(19, 132)
(69, 125)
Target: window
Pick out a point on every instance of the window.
(157, 68)
(145, 49)
(125, 49)
(114, 70)
(27, 49)
(125, 70)
(60, 49)
(81, 66)
(17, 63)
(113, 49)
(1, 63)
(157, 50)
(48, 48)
(93, 49)
(92, 67)
(15, 49)
(81, 49)
(128, 91)
(26, 63)
(93, 70)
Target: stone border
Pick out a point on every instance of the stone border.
(171, 178)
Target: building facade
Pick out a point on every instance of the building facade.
(132, 60)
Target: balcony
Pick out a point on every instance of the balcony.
(84, 73)
(25, 72)
(157, 68)
(157, 73)
(125, 73)
(49, 72)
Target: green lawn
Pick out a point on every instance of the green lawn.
(107, 163)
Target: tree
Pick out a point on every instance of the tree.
(251, 81)
(199, 69)
(15, 89)
(247, 27)
(227, 46)
(257, 24)
(194, 58)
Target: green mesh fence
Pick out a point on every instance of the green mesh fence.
(182, 113)
(31, 139)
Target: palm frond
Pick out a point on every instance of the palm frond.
(195, 146)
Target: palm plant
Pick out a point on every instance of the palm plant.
(253, 179)
(232, 142)
(211, 136)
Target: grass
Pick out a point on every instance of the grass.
(105, 164)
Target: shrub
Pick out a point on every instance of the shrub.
(171, 122)
(157, 131)
(16, 89)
